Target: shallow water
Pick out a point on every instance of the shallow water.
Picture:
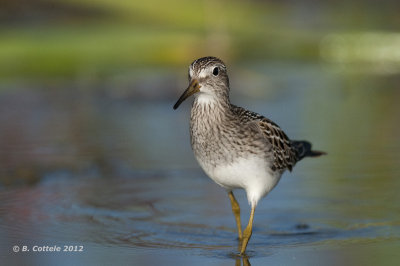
(117, 176)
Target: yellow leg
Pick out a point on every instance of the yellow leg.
(236, 212)
(247, 232)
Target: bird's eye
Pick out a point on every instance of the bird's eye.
(215, 71)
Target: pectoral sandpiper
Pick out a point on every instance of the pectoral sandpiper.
(236, 148)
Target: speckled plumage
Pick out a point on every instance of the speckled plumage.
(236, 148)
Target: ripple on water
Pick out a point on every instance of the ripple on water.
(155, 211)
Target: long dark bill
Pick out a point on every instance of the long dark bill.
(192, 89)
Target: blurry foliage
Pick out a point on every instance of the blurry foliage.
(117, 48)
(70, 38)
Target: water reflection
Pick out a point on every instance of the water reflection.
(242, 261)
(163, 211)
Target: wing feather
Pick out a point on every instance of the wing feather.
(285, 156)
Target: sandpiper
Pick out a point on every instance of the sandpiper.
(236, 148)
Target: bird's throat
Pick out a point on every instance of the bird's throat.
(209, 109)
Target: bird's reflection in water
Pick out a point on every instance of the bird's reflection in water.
(241, 259)
(244, 260)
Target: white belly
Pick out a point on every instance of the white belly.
(252, 174)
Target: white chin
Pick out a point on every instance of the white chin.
(205, 98)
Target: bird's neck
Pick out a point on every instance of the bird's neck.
(211, 105)
(208, 110)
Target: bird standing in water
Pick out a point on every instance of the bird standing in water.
(235, 147)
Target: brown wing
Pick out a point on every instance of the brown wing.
(284, 154)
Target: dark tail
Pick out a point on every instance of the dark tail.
(303, 149)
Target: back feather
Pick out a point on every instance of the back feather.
(286, 152)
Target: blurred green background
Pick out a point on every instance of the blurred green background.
(58, 58)
(86, 95)
(73, 40)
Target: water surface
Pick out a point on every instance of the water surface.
(116, 175)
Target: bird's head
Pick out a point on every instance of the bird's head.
(207, 77)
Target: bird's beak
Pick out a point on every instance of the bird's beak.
(192, 89)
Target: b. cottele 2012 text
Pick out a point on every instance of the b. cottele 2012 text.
(54, 248)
